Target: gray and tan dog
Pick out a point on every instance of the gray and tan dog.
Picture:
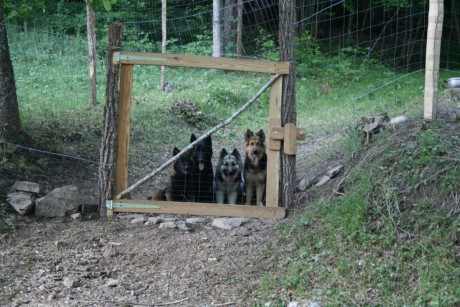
(228, 177)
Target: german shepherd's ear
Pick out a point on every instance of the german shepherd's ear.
(176, 151)
(261, 135)
(236, 153)
(192, 138)
(223, 153)
(249, 134)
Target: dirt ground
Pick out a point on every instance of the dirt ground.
(89, 262)
(62, 262)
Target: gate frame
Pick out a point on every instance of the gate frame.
(277, 135)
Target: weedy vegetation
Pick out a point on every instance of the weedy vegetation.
(389, 236)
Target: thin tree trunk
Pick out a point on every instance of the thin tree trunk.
(239, 29)
(107, 152)
(163, 42)
(10, 124)
(229, 25)
(91, 33)
(288, 106)
(216, 28)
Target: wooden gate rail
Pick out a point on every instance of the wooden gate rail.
(277, 134)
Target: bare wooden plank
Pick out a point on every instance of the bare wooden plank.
(290, 139)
(273, 152)
(194, 61)
(124, 128)
(433, 50)
(185, 208)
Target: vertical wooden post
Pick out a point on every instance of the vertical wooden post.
(288, 106)
(274, 146)
(124, 128)
(107, 151)
(433, 53)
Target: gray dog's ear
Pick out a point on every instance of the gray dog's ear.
(261, 135)
(223, 153)
(236, 153)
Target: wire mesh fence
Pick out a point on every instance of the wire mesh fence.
(353, 58)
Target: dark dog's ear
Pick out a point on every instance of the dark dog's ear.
(208, 140)
(176, 151)
(192, 138)
(236, 153)
(223, 153)
(249, 134)
(261, 135)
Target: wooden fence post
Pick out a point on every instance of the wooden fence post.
(107, 151)
(433, 53)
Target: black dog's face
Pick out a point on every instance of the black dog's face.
(184, 164)
(202, 151)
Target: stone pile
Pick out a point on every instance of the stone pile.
(26, 196)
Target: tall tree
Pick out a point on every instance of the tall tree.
(217, 28)
(91, 34)
(10, 123)
(287, 19)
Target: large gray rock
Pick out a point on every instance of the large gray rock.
(22, 202)
(27, 186)
(229, 223)
(59, 202)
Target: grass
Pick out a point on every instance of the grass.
(389, 240)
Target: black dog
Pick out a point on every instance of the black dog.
(203, 170)
(181, 185)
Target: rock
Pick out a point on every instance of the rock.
(138, 220)
(58, 202)
(75, 216)
(27, 186)
(397, 120)
(71, 281)
(323, 180)
(166, 225)
(109, 251)
(307, 182)
(244, 232)
(22, 202)
(187, 226)
(229, 223)
(332, 172)
(112, 283)
(130, 217)
(198, 220)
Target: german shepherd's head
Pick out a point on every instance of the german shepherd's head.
(183, 165)
(255, 146)
(202, 152)
(229, 166)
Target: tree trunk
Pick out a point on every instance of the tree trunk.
(10, 123)
(91, 33)
(163, 42)
(239, 29)
(107, 151)
(216, 28)
(288, 106)
(229, 25)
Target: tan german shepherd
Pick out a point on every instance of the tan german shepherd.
(255, 167)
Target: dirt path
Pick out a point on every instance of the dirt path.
(94, 263)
